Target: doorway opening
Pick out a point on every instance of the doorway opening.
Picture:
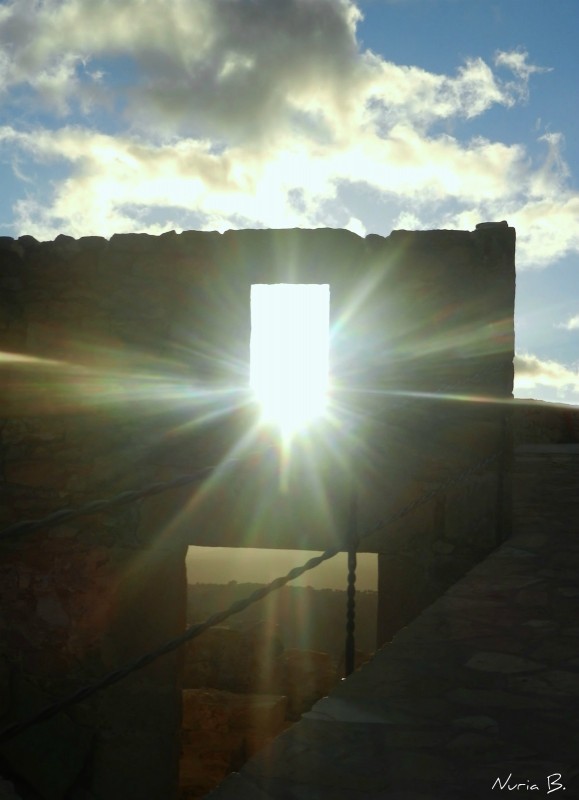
(217, 576)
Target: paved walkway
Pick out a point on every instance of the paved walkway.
(477, 698)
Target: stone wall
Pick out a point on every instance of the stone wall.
(221, 730)
(126, 361)
(240, 690)
(538, 422)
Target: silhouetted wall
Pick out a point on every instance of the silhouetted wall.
(126, 361)
(539, 422)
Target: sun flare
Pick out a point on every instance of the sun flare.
(289, 353)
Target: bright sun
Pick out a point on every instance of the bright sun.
(289, 352)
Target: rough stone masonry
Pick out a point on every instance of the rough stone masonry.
(114, 355)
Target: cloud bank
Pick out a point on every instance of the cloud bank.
(531, 371)
(214, 114)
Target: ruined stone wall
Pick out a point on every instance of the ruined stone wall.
(126, 361)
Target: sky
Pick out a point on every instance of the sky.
(371, 115)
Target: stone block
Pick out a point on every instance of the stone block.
(206, 739)
(214, 711)
(221, 730)
(206, 710)
(307, 676)
(260, 713)
(232, 660)
(92, 242)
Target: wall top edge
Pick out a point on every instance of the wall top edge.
(144, 239)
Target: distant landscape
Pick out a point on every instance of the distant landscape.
(313, 619)
(262, 565)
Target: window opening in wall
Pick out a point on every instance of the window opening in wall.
(273, 660)
(289, 353)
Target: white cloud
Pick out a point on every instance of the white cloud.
(531, 372)
(547, 230)
(549, 179)
(260, 113)
(356, 226)
(246, 184)
(572, 324)
(230, 68)
(536, 201)
(236, 68)
(517, 62)
(415, 95)
(117, 179)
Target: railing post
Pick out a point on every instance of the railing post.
(352, 545)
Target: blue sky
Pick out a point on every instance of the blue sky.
(149, 115)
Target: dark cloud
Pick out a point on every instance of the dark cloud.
(261, 61)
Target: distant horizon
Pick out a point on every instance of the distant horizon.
(221, 565)
(291, 586)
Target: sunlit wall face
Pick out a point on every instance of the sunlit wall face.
(289, 352)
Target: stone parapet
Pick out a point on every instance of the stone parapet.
(539, 422)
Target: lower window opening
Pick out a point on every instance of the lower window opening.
(263, 668)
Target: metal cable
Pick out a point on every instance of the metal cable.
(196, 630)
(123, 498)
(190, 634)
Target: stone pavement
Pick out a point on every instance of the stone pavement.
(478, 697)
